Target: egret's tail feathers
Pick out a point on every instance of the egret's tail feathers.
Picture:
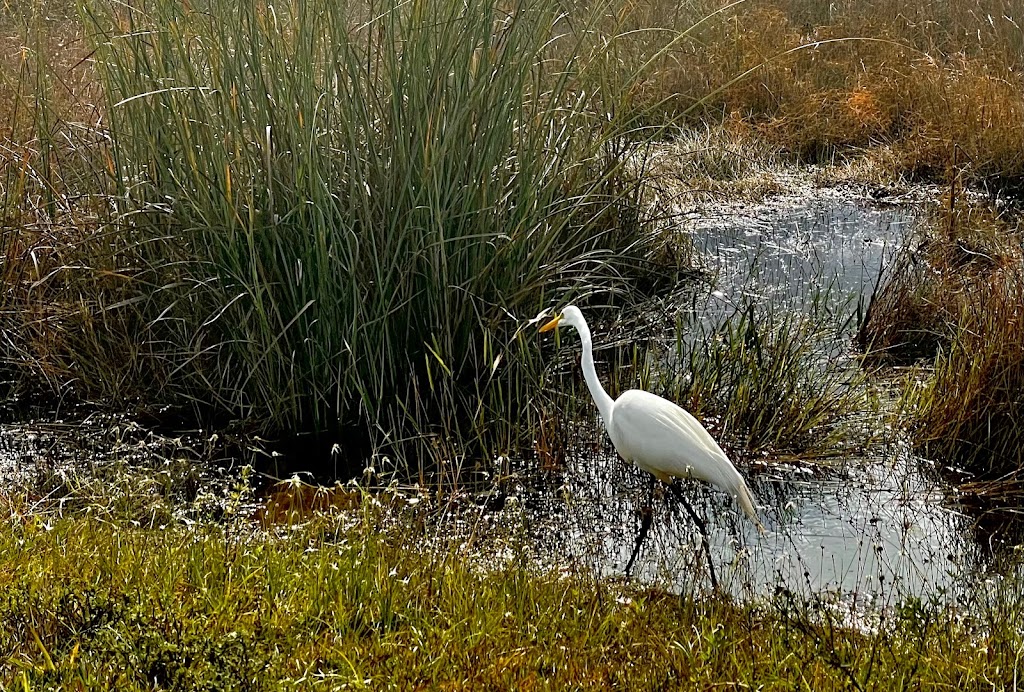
(742, 496)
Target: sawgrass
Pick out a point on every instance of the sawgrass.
(331, 218)
(951, 303)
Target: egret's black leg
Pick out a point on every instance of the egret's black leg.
(646, 517)
(702, 527)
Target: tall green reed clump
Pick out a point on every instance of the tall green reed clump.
(344, 211)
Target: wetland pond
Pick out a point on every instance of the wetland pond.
(864, 534)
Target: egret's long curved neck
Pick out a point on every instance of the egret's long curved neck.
(601, 398)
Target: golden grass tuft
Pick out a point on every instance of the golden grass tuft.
(828, 81)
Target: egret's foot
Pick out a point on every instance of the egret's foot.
(703, 528)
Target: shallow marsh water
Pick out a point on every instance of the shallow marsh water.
(866, 532)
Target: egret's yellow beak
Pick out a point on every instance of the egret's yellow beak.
(552, 324)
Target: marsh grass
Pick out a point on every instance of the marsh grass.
(350, 599)
(766, 380)
(957, 252)
(951, 300)
(55, 262)
(338, 587)
(338, 217)
(778, 381)
(938, 84)
(705, 164)
(969, 409)
(333, 218)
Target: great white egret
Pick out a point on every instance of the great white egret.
(659, 437)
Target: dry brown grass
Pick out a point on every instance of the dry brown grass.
(940, 82)
(954, 298)
(971, 410)
(958, 253)
(52, 187)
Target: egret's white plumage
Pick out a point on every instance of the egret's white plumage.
(654, 433)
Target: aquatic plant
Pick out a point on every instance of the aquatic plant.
(774, 380)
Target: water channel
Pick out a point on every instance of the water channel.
(868, 533)
(865, 533)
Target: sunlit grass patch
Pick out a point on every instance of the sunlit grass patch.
(331, 603)
(824, 83)
(707, 164)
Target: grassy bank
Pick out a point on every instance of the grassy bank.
(347, 600)
(951, 304)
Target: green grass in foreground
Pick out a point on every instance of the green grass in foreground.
(345, 601)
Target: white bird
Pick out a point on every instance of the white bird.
(659, 437)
